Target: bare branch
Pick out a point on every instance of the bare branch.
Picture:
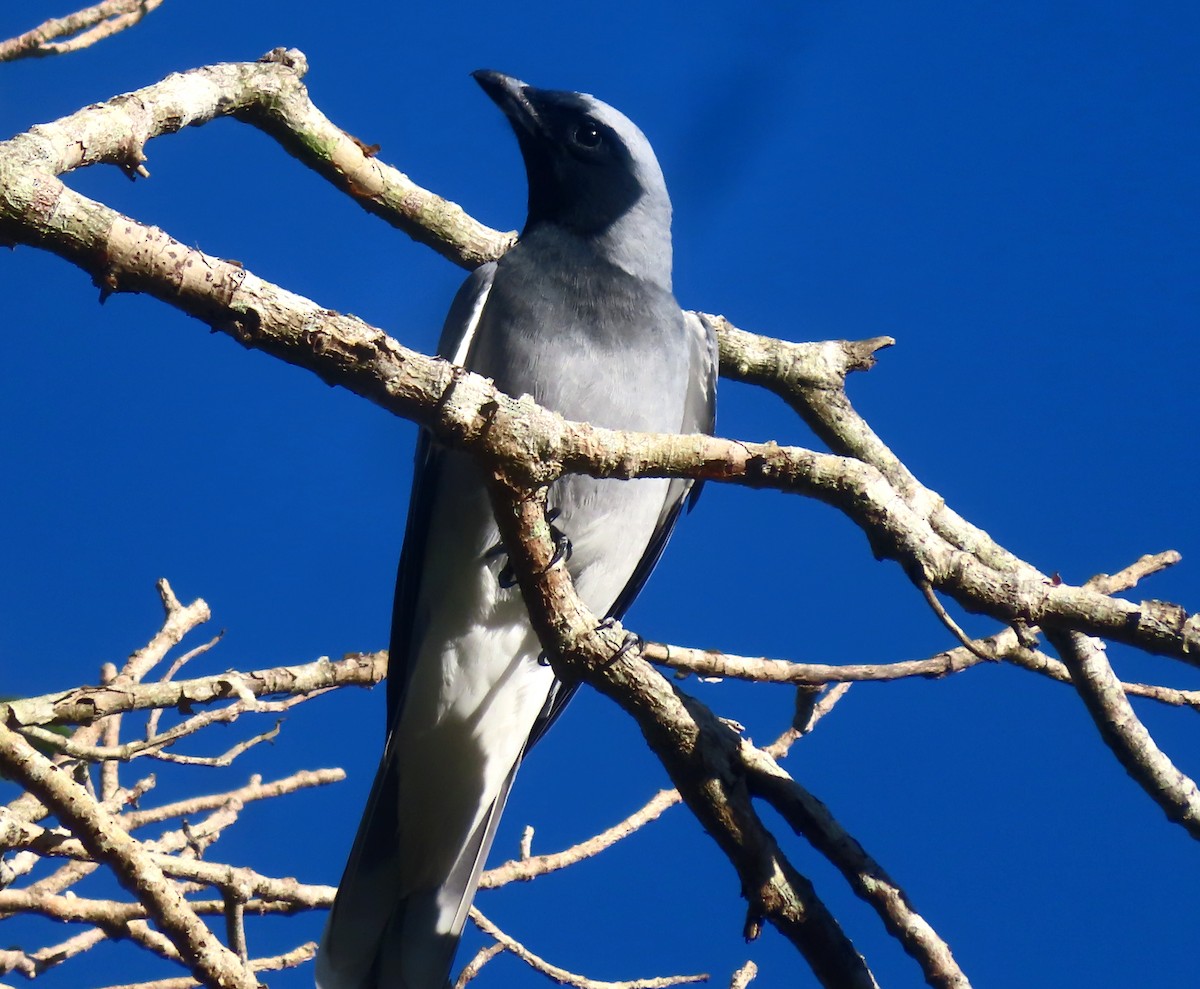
(108, 842)
(475, 965)
(178, 621)
(710, 663)
(561, 975)
(86, 704)
(111, 913)
(527, 448)
(1005, 645)
(254, 790)
(291, 959)
(530, 867)
(744, 976)
(89, 26)
(943, 615)
(812, 819)
(1124, 733)
(906, 521)
(1132, 575)
(178, 664)
(698, 751)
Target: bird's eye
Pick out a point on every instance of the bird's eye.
(587, 136)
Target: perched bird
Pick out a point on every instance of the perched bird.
(579, 315)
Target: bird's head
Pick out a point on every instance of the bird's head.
(591, 172)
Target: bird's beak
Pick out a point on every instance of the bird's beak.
(512, 96)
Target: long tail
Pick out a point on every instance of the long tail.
(377, 935)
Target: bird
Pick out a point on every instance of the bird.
(580, 315)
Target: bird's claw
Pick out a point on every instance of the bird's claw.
(562, 549)
(632, 641)
(507, 577)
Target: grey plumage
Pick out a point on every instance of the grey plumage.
(580, 315)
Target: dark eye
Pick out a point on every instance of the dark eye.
(587, 135)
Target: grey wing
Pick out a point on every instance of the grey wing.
(699, 416)
(363, 924)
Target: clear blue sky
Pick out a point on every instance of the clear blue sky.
(1010, 190)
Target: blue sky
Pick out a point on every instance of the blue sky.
(1009, 190)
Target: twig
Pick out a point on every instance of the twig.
(524, 869)
(178, 620)
(475, 965)
(107, 913)
(110, 844)
(55, 954)
(1104, 697)
(86, 704)
(1132, 575)
(561, 975)
(235, 925)
(224, 759)
(812, 819)
(943, 616)
(96, 23)
(744, 976)
(291, 959)
(255, 789)
(779, 748)
(1004, 645)
(154, 747)
(178, 664)
(675, 727)
(110, 781)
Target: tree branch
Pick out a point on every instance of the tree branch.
(109, 843)
(809, 817)
(527, 447)
(561, 975)
(84, 705)
(697, 749)
(1103, 696)
(90, 25)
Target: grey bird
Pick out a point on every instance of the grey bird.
(580, 315)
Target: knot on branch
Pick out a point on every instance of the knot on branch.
(860, 354)
(292, 58)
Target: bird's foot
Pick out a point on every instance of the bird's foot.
(632, 641)
(562, 545)
(507, 577)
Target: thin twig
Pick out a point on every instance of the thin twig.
(291, 959)
(1133, 745)
(812, 819)
(475, 965)
(86, 704)
(90, 25)
(108, 842)
(178, 664)
(561, 975)
(744, 976)
(943, 616)
(524, 869)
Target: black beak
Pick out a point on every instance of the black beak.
(510, 95)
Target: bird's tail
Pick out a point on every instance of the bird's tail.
(380, 936)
